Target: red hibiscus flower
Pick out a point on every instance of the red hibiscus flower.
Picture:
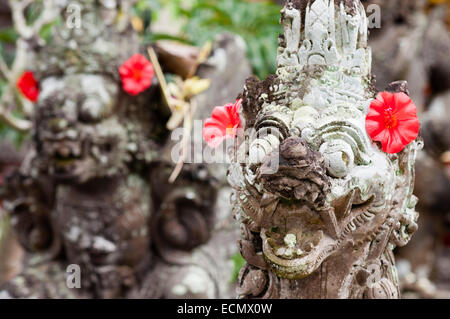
(392, 120)
(136, 74)
(28, 86)
(223, 124)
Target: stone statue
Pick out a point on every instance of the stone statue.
(321, 206)
(291, 22)
(93, 190)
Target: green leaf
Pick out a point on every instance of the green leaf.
(46, 31)
(150, 38)
(8, 35)
(33, 11)
(13, 136)
(257, 23)
(238, 262)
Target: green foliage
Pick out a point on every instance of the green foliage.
(8, 35)
(6, 132)
(257, 23)
(147, 10)
(238, 262)
(46, 31)
(33, 11)
(152, 37)
(15, 137)
(7, 55)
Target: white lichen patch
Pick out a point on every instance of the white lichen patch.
(290, 240)
(195, 282)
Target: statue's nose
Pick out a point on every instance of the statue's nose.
(293, 147)
(58, 125)
(294, 172)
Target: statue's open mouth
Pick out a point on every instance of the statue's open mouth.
(66, 158)
(61, 160)
(294, 256)
(298, 241)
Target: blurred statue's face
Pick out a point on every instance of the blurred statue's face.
(77, 133)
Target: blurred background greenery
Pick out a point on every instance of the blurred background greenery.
(197, 21)
(8, 38)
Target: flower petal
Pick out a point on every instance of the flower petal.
(374, 127)
(382, 136)
(213, 136)
(377, 106)
(407, 111)
(222, 125)
(409, 129)
(215, 123)
(401, 99)
(395, 143)
(221, 114)
(387, 98)
(234, 112)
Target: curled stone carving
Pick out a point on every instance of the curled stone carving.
(321, 206)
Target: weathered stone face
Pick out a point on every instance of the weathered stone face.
(78, 134)
(334, 189)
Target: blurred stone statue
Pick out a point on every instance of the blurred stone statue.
(92, 197)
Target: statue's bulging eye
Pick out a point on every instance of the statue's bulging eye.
(339, 158)
(262, 147)
(343, 146)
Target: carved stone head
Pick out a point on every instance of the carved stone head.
(313, 183)
(86, 126)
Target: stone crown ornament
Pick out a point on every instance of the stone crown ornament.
(97, 43)
(321, 205)
(330, 35)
